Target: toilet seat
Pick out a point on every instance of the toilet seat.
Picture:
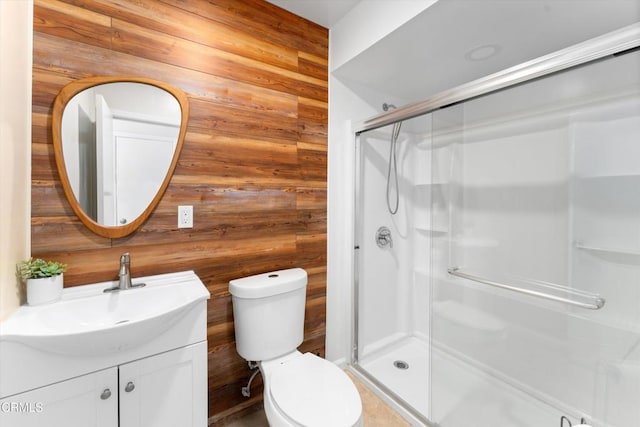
(311, 392)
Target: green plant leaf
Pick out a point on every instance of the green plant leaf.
(39, 268)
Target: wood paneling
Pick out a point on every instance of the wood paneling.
(253, 164)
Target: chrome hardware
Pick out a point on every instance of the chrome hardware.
(401, 364)
(123, 220)
(582, 53)
(129, 387)
(246, 390)
(124, 276)
(106, 393)
(383, 237)
(597, 304)
(124, 281)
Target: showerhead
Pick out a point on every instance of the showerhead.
(386, 106)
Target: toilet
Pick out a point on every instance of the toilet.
(299, 389)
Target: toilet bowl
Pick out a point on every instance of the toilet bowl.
(299, 389)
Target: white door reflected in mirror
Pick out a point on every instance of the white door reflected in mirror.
(119, 140)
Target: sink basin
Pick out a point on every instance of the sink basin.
(88, 329)
(90, 321)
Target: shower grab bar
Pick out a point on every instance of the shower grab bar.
(598, 301)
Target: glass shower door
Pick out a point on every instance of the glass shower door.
(392, 279)
(535, 296)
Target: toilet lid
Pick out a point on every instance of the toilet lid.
(314, 392)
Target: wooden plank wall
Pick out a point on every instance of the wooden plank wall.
(253, 165)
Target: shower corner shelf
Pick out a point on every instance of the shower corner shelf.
(612, 176)
(426, 229)
(620, 251)
(427, 185)
(426, 144)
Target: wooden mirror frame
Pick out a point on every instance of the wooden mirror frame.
(65, 95)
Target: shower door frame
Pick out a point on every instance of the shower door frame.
(610, 44)
(615, 42)
(354, 353)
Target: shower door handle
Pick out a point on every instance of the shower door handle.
(596, 302)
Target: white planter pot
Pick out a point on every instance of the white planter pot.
(45, 290)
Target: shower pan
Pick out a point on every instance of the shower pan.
(510, 295)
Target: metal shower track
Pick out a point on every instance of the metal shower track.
(612, 43)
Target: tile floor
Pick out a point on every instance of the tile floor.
(376, 413)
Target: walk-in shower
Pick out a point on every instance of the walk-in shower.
(510, 295)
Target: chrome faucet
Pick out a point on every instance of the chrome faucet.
(124, 276)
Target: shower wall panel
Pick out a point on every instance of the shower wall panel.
(383, 294)
(393, 280)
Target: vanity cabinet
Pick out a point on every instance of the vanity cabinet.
(136, 358)
(75, 402)
(164, 390)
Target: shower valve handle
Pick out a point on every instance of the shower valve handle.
(383, 237)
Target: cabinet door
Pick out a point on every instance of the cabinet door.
(87, 401)
(166, 390)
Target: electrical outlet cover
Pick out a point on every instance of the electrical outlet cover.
(185, 216)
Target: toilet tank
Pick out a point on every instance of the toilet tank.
(268, 312)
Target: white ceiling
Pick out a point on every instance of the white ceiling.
(427, 54)
(322, 12)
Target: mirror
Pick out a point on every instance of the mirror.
(116, 143)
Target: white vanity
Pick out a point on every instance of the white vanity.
(134, 358)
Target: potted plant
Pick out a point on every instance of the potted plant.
(44, 280)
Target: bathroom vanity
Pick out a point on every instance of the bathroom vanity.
(134, 358)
